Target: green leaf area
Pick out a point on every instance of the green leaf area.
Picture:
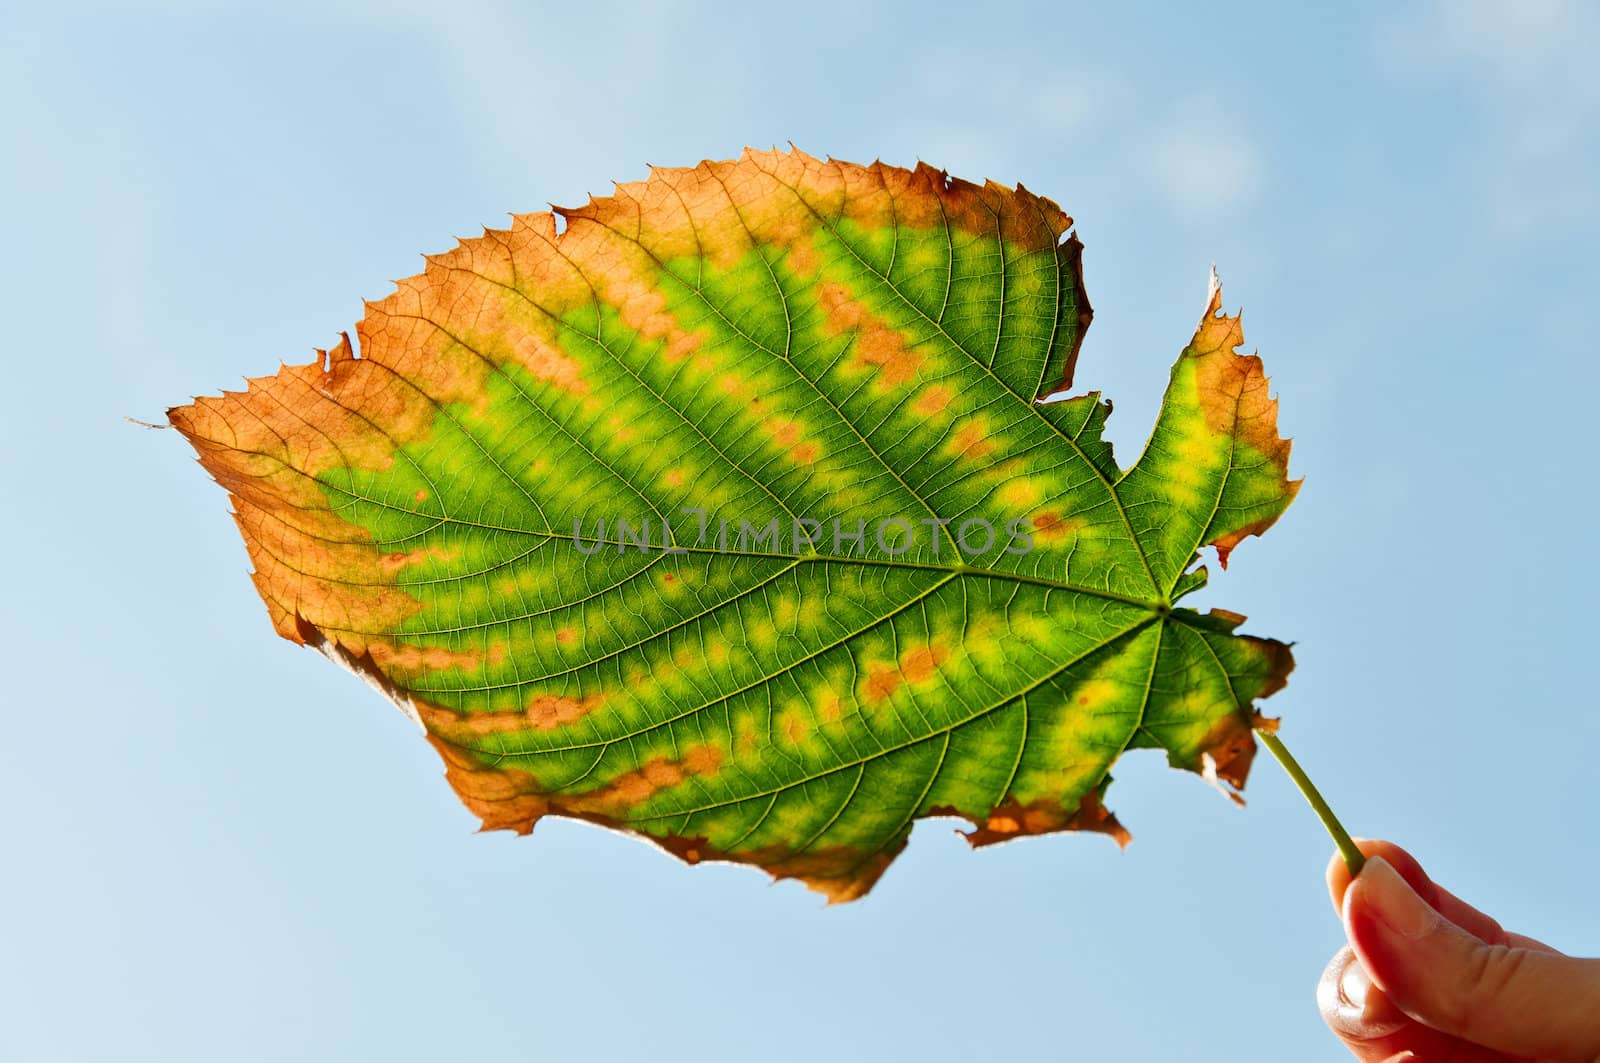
(724, 510)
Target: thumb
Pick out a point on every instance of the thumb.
(1515, 1000)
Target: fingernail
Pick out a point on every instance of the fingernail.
(1394, 904)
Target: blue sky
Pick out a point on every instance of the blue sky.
(221, 847)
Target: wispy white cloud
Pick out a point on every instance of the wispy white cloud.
(970, 111)
(1531, 65)
(1199, 159)
(963, 112)
(530, 83)
(1194, 156)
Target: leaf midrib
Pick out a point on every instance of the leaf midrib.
(1017, 577)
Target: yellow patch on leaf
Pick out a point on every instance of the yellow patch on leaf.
(915, 666)
(546, 712)
(1050, 526)
(933, 400)
(875, 345)
(971, 441)
(404, 559)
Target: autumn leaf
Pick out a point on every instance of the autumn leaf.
(723, 510)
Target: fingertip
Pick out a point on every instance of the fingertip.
(1381, 893)
(1406, 865)
(1338, 873)
(1352, 1004)
(1338, 878)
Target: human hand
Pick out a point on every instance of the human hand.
(1428, 978)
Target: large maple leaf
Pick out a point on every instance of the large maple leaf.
(727, 514)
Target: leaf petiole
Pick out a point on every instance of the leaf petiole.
(1347, 848)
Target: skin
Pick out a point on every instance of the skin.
(1427, 977)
